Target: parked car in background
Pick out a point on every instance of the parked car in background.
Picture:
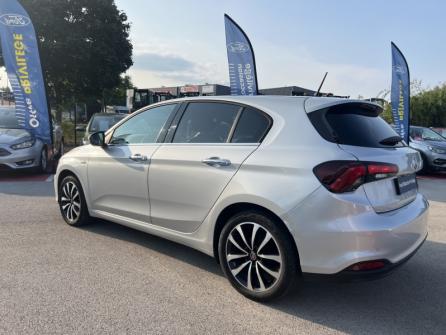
(441, 131)
(432, 147)
(19, 149)
(100, 122)
(118, 109)
(273, 187)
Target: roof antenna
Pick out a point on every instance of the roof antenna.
(320, 86)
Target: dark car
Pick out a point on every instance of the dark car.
(100, 122)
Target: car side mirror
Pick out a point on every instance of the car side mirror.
(97, 139)
(80, 128)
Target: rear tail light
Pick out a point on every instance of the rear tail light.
(347, 176)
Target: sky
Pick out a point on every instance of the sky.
(295, 42)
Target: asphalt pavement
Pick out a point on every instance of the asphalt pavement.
(106, 278)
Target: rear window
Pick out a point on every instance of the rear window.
(355, 124)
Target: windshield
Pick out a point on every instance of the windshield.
(425, 134)
(103, 123)
(8, 118)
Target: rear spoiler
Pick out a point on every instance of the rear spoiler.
(316, 103)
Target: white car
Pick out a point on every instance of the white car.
(273, 187)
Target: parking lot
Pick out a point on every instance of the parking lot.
(106, 278)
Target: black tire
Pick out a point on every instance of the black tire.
(43, 161)
(61, 149)
(72, 204)
(426, 167)
(280, 245)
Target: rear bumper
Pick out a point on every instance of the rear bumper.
(334, 232)
(349, 275)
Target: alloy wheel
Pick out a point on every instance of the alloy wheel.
(253, 257)
(70, 201)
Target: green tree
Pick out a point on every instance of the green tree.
(387, 112)
(117, 96)
(84, 46)
(428, 108)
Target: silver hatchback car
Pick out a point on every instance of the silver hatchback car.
(273, 187)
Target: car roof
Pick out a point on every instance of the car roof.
(311, 103)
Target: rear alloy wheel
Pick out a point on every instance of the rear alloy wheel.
(72, 202)
(257, 256)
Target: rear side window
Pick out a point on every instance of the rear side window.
(355, 124)
(251, 127)
(206, 122)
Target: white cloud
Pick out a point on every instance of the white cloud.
(302, 69)
(276, 66)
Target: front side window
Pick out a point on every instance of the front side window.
(144, 127)
(206, 122)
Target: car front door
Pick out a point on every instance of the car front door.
(206, 149)
(118, 172)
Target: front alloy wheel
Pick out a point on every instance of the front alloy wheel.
(72, 202)
(257, 256)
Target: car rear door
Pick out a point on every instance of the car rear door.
(118, 173)
(358, 130)
(206, 146)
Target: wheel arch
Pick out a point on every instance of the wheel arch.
(239, 207)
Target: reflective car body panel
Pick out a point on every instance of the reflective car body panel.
(183, 189)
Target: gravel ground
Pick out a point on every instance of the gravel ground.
(106, 278)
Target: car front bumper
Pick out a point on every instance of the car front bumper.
(332, 233)
(17, 159)
(436, 161)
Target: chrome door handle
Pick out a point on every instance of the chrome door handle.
(138, 158)
(216, 161)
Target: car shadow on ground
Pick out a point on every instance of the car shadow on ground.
(412, 299)
(158, 244)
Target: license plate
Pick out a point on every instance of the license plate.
(404, 184)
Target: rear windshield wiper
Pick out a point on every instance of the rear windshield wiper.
(392, 140)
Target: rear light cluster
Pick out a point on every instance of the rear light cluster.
(347, 176)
